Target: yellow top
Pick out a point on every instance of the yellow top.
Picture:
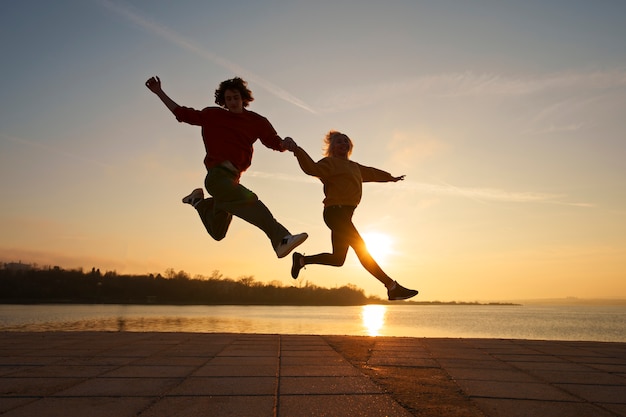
(342, 178)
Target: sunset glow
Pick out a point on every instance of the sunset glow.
(379, 245)
(507, 120)
(373, 317)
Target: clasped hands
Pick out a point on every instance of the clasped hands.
(289, 144)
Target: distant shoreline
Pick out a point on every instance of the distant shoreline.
(517, 303)
(374, 302)
(22, 283)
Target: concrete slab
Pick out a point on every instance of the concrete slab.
(214, 406)
(225, 386)
(340, 405)
(181, 374)
(85, 406)
(306, 385)
(526, 408)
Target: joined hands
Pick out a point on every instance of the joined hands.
(289, 144)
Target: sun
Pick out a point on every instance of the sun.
(379, 245)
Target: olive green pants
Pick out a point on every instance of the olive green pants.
(229, 198)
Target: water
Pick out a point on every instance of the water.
(590, 323)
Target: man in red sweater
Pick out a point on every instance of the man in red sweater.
(228, 132)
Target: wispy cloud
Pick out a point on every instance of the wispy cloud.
(282, 177)
(170, 35)
(494, 84)
(483, 194)
(552, 128)
(468, 84)
(480, 194)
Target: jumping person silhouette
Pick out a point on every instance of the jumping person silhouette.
(228, 133)
(343, 179)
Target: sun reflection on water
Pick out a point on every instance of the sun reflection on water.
(373, 318)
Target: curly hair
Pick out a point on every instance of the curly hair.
(236, 84)
(328, 141)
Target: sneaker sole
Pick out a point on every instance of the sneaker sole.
(190, 198)
(294, 244)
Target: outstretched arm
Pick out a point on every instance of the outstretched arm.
(154, 85)
(308, 165)
(370, 174)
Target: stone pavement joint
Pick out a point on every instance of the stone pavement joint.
(197, 374)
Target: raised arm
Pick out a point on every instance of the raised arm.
(154, 85)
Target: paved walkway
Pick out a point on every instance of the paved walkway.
(192, 374)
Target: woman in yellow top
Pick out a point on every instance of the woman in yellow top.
(343, 179)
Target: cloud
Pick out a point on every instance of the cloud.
(283, 177)
(480, 194)
(552, 128)
(188, 44)
(469, 84)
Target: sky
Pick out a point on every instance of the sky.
(506, 117)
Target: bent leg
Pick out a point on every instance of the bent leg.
(232, 197)
(215, 221)
(338, 220)
(345, 234)
(337, 258)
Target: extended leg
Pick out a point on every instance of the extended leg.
(232, 197)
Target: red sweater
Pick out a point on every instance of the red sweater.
(229, 136)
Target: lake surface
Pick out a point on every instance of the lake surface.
(591, 323)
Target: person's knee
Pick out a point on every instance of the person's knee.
(218, 237)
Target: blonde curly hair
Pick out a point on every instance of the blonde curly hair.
(328, 142)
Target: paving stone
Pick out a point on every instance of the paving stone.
(237, 370)
(34, 387)
(226, 386)
(514, 390)
(615, 394)
(527, 408)
(340, 405)
(318, 370)
(327, 385)
(193, 374)
(83, 406)
(120, 387)
(214, 406)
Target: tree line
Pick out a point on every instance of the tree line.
(23, 283)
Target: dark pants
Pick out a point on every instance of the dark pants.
(344, 235)
(230, 198)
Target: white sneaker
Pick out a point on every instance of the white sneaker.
(195, 197)
(289, 243)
